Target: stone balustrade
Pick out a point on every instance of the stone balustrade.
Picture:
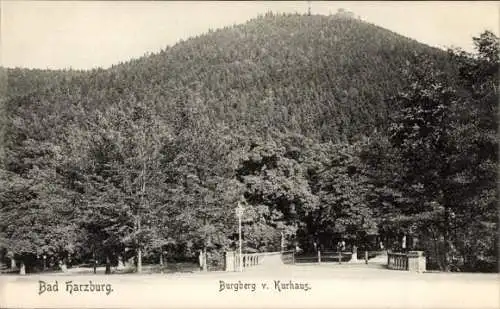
(232, 260)
(412, 261)
(397, 261)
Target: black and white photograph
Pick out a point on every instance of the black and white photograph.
(249, 154)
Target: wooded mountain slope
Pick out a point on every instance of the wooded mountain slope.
(327, 77)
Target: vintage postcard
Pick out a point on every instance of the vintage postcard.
(302, 154)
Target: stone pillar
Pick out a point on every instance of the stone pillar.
(229, 261)
(22, 270)
(416, 261)
(354, 257)
(205, 260)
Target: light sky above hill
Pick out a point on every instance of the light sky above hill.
(89, 34)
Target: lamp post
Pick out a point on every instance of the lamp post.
(239, 213)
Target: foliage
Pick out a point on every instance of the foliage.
(337, 178)
(444, 149)
(308, 119)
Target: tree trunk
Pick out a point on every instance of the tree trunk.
(161, 262)
(206, 241)
(95, 262)
(108, 265)
(436, 246)
(446, 247)
(143, 192)
(13, 264)
(139, 260)
(139, 249)
(205, 266)
(22, 269)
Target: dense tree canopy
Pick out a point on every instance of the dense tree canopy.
(325, 127)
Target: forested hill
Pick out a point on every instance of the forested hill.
(155, 153)
(327, 77)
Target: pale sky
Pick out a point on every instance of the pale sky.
(88, 34)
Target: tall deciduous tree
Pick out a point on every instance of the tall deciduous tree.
(336, 177)
(277, 192)
(123, 177)
(445, 133)
(475, 136)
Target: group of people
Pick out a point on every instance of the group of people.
(341, 245)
